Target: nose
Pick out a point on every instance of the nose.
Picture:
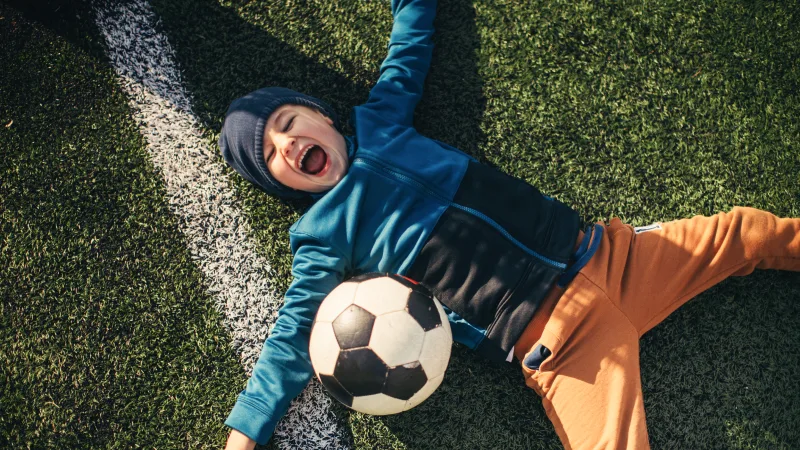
(287, 146)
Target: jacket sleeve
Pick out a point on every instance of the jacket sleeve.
(284, 368)
(399, 87)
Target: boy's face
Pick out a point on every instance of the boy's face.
(303, 149)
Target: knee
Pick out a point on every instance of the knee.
(752, 219)
(755, 228)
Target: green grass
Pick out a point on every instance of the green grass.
(642, 110)
(107, 338)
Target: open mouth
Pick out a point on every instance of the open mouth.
(313, 160)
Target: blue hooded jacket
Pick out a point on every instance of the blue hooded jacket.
(488, 245)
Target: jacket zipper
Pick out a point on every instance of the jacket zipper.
(381, 168)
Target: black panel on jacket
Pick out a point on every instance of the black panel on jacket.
(471, 267)
(482, 275)
(546, 226)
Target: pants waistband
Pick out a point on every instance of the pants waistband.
(586, 249)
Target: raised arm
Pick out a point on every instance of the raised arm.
(283, 368)
(399, 87)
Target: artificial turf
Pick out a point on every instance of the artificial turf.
(642, 110)
(107, 337)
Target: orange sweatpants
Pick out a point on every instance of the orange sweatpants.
(585, 339)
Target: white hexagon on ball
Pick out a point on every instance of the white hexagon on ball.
(323, 348)
(436, 350)
(337, 301)
(397, 347)
(381, 295)
(379, 404)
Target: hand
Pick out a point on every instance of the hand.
(238, 441)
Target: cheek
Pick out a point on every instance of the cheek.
(279, 169)
(324, 130)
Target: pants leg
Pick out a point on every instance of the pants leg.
(649, 275)
(590, 383)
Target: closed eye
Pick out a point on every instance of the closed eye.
(289, 124)
(271, 152)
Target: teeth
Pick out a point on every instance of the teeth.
(303, 156)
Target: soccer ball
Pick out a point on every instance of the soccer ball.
(380, 343)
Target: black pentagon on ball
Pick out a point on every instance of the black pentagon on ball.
(423, 309)
(336, 390)
(404, 381)
(360, 371)
(353, 327)
(422, 290)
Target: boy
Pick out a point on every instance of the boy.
(517, 276)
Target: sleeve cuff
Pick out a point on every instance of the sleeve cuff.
(252, 421)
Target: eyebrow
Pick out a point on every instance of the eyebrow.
(278, 117)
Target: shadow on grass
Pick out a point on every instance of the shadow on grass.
(721, 372)
(108, 337)
(222, 57)
(70, 19)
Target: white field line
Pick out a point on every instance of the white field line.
(200, 195)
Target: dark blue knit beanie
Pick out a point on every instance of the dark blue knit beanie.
(241, 139)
